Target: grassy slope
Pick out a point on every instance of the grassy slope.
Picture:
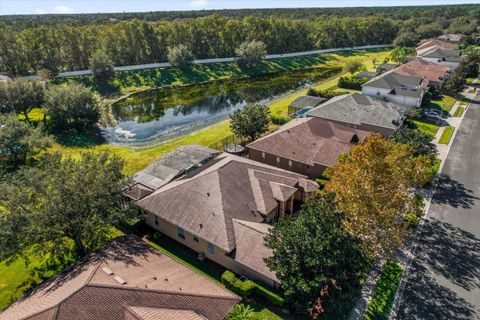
(137, 159)
(384, 293)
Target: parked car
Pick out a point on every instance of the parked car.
(433, 115)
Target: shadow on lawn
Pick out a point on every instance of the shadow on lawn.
(82, 140)
(451, 253)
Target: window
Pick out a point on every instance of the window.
(195, 238)
(263, 155)
(211, 249)
(290, 163)
(278, 160)
(156, 220)
(181, 233)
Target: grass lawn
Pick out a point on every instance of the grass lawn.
(445, 103)
(446, 135)
(459, 111)
(470, 80)
(384, 293)
(426, 127)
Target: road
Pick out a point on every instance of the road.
(444, 279)
(213, 60)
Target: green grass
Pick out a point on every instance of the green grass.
(18, 276)
(446, 135)
(459, 111)
(261, 312)
(384, 293)
(470, 80)
(426, 127)
(445, 103)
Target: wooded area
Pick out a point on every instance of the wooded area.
(67, 42)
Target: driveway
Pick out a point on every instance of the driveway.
(444, 280)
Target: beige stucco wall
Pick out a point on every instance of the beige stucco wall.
(219, 257)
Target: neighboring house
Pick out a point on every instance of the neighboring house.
(223, 210)
(448, 57)
(306, 145)
(362, 112)
(452, 37)
(397, 88)
(128, 279)
(432, 43)
(384, 67)
(299, 106)
(169, 167)
(366, 74)
(433, 74)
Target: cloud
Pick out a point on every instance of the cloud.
(40, 11)
(198, 3)
(62, 9)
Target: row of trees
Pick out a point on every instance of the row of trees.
(469, 67)
(137, 42)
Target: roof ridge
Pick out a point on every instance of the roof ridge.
(242, 222)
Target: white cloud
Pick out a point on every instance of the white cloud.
(62, 9)
(40, 11)
(198, 3)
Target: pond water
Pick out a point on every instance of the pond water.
(151, 117)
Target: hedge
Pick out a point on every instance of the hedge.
(351, 82)
(242, 288)
(268, 295)
(279, 120)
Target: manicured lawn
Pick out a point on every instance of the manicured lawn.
(446, 135)
(384, 293)
(445, 103)
(470, 80)
(426, 127)
(459, 111)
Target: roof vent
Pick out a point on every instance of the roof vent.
(208, 194)
(107, 270)
(201, 226)
(119, 280)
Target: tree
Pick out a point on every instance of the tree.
(180, 56)
(251, 53)
(373, 187)
(406, 39)
(419, 141)
(21, 96)
(400, 55)
(353, 66)
(63, 206)
(19, 141)
(456, 82)
(241, 312)
(102, 67)
(250, 122)
(318, 263)
(71, 107)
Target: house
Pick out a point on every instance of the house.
(223, 210)
(128, 279)
(300, 105)
(362, 112)
(448, 57)
(384, 67)
(432, 43)
(169, 167)
(397, 88)
(366, 74)
(306, 145)
(433, 74)
(452, 37)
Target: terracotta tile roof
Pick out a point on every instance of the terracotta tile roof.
(430, 43)
(126, 273)
(309, 140)
(142, 313)
(429, 71)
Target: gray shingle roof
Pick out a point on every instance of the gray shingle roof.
(307, 101)
(441, 53)
(400, 84)
(366, 74)
(360, 109)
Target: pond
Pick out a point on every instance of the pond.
(154, 116)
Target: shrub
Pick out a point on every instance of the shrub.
(279, 119)
(330, 93)
(351, 82)
(251, 53)
(270, 296)
(180, 56)
(242, 288)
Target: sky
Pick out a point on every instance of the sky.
(91, 6)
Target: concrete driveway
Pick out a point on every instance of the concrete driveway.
(444, 279)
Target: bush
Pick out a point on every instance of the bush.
(268, 295)
(180, 56)
(251, 53)
(351, 82)
(279, 119)
(330, 93)
(242, 288)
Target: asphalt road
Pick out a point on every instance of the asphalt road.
(444, 282)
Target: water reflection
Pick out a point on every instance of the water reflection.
(154, 116)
